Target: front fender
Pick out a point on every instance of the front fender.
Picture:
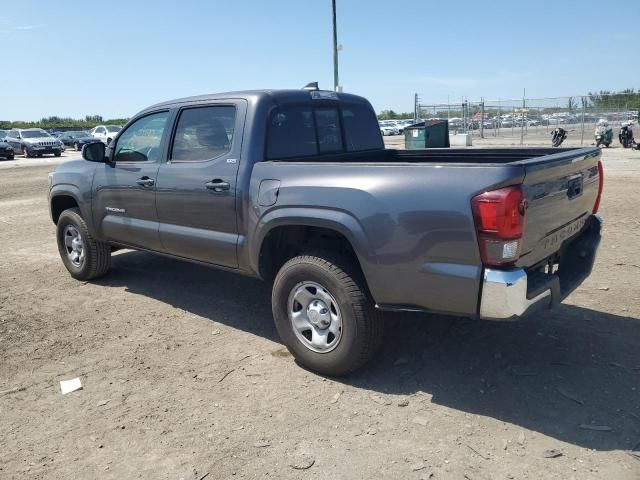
(69, 190)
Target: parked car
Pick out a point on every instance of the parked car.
(6, 151)
(3, 133)
(105, 133)
(399, 126)
(32, 142)
(390, 127)
(77, 139)
(344, 228)
(387, 130)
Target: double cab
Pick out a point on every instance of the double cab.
(296, 187)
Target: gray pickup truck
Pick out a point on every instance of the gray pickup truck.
(296, 187)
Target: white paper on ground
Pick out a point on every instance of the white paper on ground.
(68, 386)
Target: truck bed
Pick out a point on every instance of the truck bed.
(482, 156)
(415, 209)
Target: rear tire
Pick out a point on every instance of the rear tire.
(93, 257)
(336, 285)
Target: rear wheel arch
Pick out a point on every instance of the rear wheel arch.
(284, 242)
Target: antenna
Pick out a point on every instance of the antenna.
(311, 86)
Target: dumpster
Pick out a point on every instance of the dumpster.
(427, 134)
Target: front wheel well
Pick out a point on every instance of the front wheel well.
(286, 242)
(61, 203)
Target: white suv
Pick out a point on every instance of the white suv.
(105, 133)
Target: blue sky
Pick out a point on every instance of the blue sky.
(113, 58)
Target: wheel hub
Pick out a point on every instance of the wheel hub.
(74, 245)
(315, 317)
(318, 314)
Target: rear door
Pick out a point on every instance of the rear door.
(124, 203)
(196, 188)
(561, 191)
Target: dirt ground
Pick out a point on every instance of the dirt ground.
(184, 377)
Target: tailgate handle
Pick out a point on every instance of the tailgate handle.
(574, 186)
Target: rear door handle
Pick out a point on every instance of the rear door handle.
(145, 182)
(217, 185)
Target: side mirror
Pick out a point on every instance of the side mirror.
(94, 152)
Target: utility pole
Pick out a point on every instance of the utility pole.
(584, 104)
(524, 94)
(335, 49)
(482, 117)
(415, 108)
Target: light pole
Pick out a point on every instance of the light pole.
(335, 48)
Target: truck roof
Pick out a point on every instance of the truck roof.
(276, 96)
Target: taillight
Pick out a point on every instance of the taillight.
(499, 220)
(600, 187)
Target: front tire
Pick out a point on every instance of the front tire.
(324, 314)
(77, 147)
(83, 256)
(25, 152)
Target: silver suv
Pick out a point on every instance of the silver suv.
(33, 142)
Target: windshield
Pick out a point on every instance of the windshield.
(113, 129)
(34, 134)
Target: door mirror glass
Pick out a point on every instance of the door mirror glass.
(94, 152)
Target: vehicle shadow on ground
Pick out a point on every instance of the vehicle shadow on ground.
(554, 373)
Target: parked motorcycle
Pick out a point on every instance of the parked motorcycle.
(604, 133)
(558, 136)
(626, 136)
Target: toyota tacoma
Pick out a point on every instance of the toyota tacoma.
(295, 187)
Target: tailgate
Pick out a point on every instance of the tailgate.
(561, 190)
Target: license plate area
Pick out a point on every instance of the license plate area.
(574, 186)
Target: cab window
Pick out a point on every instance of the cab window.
(291, 133)
(203, 133)
(140, 142)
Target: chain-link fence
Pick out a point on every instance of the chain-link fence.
(530, 121)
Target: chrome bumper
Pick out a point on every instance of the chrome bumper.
(505, 293)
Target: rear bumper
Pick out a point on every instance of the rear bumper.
(511, 294)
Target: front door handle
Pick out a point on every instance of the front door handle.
(145, 182)
(217, 185)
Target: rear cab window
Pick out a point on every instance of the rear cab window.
(204, 133)
(310, 129)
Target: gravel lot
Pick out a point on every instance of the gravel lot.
(183, 374)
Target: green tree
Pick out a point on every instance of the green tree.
(391, 115)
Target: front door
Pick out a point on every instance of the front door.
(124, 204)
(13, 139)
(196, 188)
